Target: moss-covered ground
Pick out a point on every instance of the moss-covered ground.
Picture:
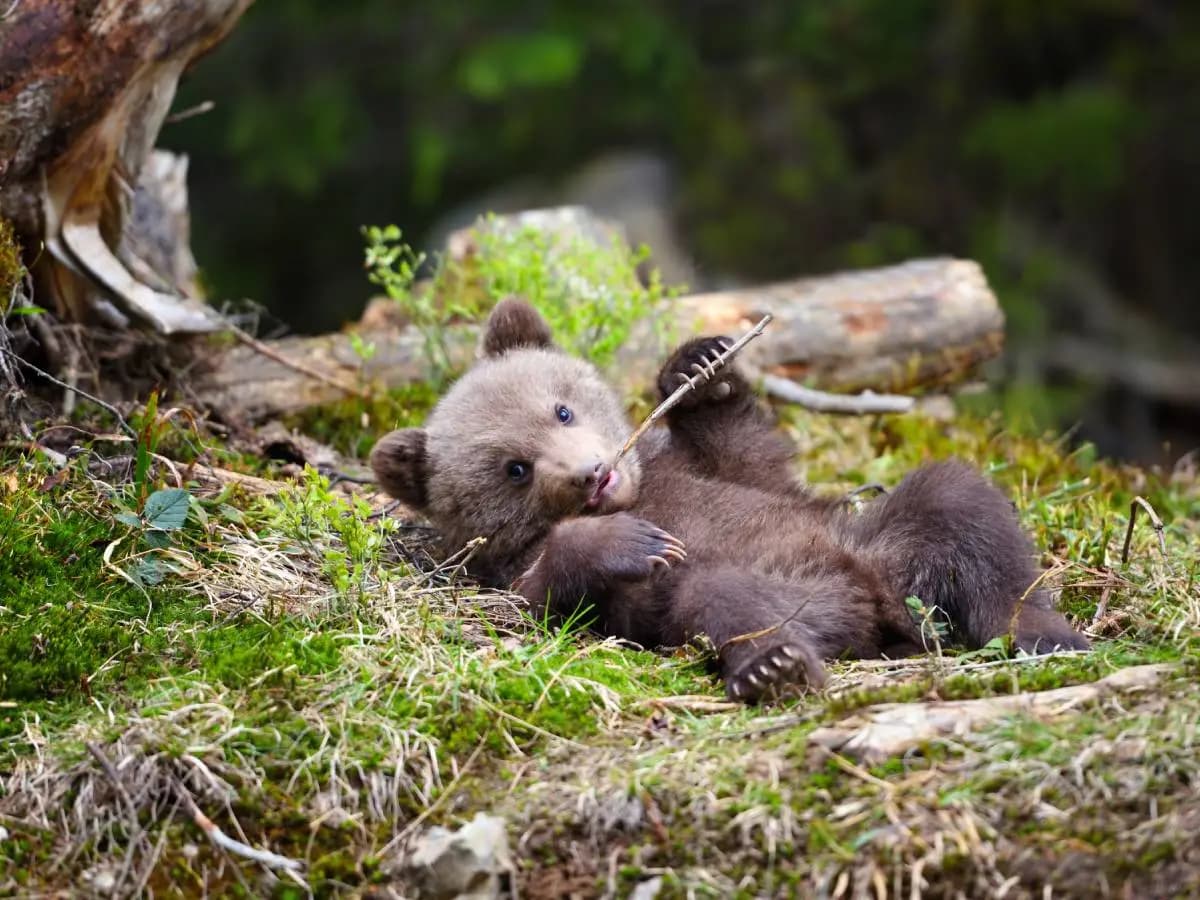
(297, 666)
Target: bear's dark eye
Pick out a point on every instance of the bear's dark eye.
(519, 472)
(564, 414)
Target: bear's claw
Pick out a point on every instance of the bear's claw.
(767, 674)
(636, 548)
(700, 363)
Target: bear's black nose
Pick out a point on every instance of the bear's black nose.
(590, 474)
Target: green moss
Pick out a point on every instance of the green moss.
(69, 620)
(353, 426)
(11, 267)
(237, 654)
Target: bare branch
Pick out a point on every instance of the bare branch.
(1157, 522)
(822, 401)
(225, 842)
(198, 110)
(75, 390)
(271, 354)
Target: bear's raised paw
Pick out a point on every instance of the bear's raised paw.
(700, 358)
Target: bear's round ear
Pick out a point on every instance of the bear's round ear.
(514, 323)
(399, 462)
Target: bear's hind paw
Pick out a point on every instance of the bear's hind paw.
(773, 671)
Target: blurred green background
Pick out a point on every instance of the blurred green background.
(1056, 142)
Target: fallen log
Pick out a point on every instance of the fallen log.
(899, 328)
(890, 729)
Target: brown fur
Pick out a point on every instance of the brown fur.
(777, 578)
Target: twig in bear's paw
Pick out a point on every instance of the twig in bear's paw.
(674, 395)
(699, 364)
(710, 358)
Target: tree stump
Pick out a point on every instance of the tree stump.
(84, 90)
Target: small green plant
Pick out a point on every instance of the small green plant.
(934, 630)
(342, 530)
(590, 295)
(164, 512)
(393, 265)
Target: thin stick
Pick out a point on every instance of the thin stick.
(822, 401)
(1056, 569)
(259, 347)
(225, 842)
(1157, 522)
(198, 110)
(763, 632)
(68, 387)
(690, 385)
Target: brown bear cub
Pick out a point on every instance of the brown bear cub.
(702, 529)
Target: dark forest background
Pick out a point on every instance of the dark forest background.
(1058, 143)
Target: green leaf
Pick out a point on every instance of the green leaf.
(149, 571)
(167, 509)
(130, 519)
(231, 513)
(157, 540)
(26, 311)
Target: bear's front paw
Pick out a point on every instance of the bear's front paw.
(633, 548)
(700, 361)
(768, 667)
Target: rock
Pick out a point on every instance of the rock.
(472, 863)
(634, 189)
(637, 189)
(100, 881)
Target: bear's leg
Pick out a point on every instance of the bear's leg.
(772, 631)
(720, 428)
(951, 538)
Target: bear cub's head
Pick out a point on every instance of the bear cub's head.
(524, 439)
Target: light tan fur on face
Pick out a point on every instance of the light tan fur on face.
(505, 409)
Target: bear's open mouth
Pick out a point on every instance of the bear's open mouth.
(604, 488)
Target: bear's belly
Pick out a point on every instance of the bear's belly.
(721, 522)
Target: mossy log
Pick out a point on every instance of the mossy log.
(898, 328)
